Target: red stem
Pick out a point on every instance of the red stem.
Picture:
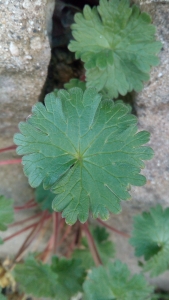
(55, 230)
(18, 208)
(66, 233)
(78, 235)
(32, 234)
(25, 220)
(20, 231)
(47, 251)
(27, 203)
(10, 161)
(13, 147)
(113, 229)
(92, 245)
(25, 244)
(71, 247)
(50, 245)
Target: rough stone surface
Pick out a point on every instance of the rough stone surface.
(152, 107)
(25, 53)
(25, 28)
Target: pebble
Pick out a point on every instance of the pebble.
(13, 49)
(35, 43)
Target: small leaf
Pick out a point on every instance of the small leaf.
(86, 151)
(59, 281)
(36, 279)
(150, 237)
(117, 44)
(44, 198)
(6, 212)
(105, 248)
(115, 283)
(75, 83)
(71, 276)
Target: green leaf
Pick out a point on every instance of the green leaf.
(6, 212)
(71, 276)
(75, 83)
(150, 237)
(105, 248)
(117, 44)
(36, 279)
(59, 281)
(86, 150)
(115, 283)
(44, 198)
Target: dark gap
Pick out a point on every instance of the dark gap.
(63, 65)
(129, 99)
(10, 294)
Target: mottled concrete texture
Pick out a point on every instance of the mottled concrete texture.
(25, 28)
(152, 107)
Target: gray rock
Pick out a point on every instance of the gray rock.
(152, 107)
(25, 29)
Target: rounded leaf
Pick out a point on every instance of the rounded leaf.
(150, 237)
(85, 150)
(116, 283)
(117, 44)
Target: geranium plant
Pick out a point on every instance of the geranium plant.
(81, 151)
